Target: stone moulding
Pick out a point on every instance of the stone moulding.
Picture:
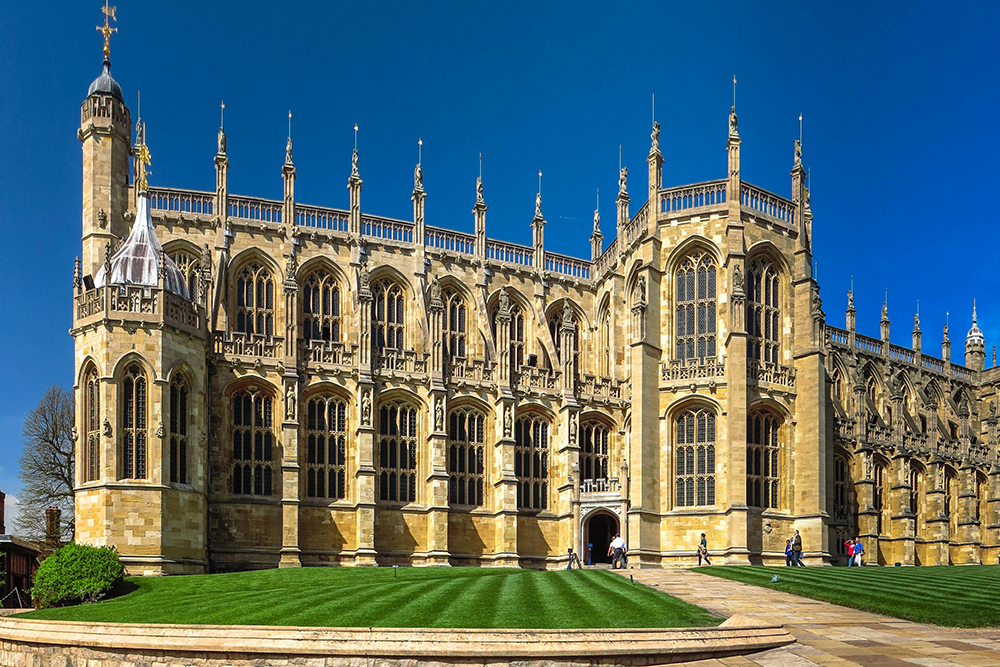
(68, 643)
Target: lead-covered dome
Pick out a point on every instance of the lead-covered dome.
(106, 83)
(975, 335)
(138, 261)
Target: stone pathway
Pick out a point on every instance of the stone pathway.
(827, 634)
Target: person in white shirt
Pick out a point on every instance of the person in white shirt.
(617, 552)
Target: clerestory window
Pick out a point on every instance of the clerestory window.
(695, 309)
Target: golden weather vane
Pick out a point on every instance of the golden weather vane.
(106, 29)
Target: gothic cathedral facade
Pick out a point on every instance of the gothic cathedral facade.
(280, 384)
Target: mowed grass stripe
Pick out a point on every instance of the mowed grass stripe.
(949, 596)
(378, 597)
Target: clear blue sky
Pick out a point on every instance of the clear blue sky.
(900, 103)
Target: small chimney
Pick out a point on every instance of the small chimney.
(53, 530)
(3, 499)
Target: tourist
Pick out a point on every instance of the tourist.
(850, 552)
(797, 549)
(788, 553)
(859, 550)
(617, 553)
(703, 550)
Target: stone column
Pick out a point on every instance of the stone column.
(365, 434)
(937, 522)
(437, 469)
(655, 162)
(903, 522)
(503, 342)
(419, 234)
(504, 484)
(968, 533)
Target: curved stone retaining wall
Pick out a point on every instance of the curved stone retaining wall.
(32, 643)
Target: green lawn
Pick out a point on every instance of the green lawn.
(964, 597)
(416, 597)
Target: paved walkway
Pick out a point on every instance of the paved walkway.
(827, 634)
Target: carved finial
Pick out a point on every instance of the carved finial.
(798, 153)
(107, 30)
(418, 171)
(623, 180)
(107, 263)
(597, 214)
(974, 312)
(222, 129)
(732, 123)
(77, 277)
(655, 136)
(288, 146)
(885, 311)
(143, 157)
(479, 192)
(916, 323)
(354, 157)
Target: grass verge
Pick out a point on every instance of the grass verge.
(963, 597)
(378, 597)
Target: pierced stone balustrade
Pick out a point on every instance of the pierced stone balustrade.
(532, 378)
(595, 388)
(877, 434)
(692, 369)
(844, 430)
(234, 343)
(605, 485)
(400, 361)
(135, 304)
(461, 370)
(762, 372)
(327, 352)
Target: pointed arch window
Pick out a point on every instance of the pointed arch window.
(531, 462)
(841, 487)
(454, 325)
(951, 499)
(517, 335)
(594, 453)
(255, 301)
(694, 451)
(189, 265)
(880, 497)
(396, 466)
(605, 350)
(695, 308)
(466, 451)
(92, 427)
(326, 447)
(763, 312)
(321, 308)
(134, 423)
(763, 479)
(179, 418)
(253, 443)
(388, 323)
(981, 487)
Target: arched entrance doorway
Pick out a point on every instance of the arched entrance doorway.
(598, 531)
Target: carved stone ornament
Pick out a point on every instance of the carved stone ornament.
(366, 408)
(798, 152)
(572, 428)
(102, 219)
(640, 291)
(107, 428)
(160, 431)
(869, 466)
(738, 282)
(288, 151)
(73, 434)
(291, 266)
(817, 306)
(418, 178)
(655, 136)
(850, 300)
(733, 122)
(365, 277)
(222, 141)
(623, 180)
(508, 421)
(438, 414)
(479, 191)
(567, 314)
(290, 402)
(993, 409)
(504, 302)
(436, 290)
(538, 204)
(354, 164)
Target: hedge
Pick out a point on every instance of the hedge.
(77, 573)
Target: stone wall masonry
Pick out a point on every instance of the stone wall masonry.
(31, 643)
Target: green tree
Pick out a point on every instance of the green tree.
(47, 464)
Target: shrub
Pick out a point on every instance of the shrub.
(77, 573)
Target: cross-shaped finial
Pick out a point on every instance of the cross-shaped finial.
(106, 29)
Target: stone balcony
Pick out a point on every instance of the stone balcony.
(134, 305)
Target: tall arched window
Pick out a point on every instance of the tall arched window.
(918, 498)
(695, 309)
(321, 308)
(762, 460)
(951, 500)
(397, 453)
(188, 264)
(694, 475)
(594, 439)
(134, 423)
(388, 322)
(253, 443)
(517, 334)
(92, 427)
(178, 430)
(454, 324)
(326, 447)
(466, 451)
(255, 301)
(555, 329)
(841, 475)
(531, 462)
(980, 497)
(837, 385)
(763, 312)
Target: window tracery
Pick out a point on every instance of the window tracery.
(695, 307)
(555, 329)
(763, 478)
(388, 323)
(397, 452)
(321, 307)
(253, 443)
(454, 325)
(531, 462)
(763, 312)
(134, 423)
(841, 470)
(326, 447)
(255, 301)
(189, 265)
(518, 334)
(178, 430)
(594, 453)
(92, 422)
(694, 452)
(466, 451)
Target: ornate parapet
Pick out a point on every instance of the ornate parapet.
(135, 305)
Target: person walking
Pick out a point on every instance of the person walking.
(797, 550)
(703, 550)
(850, 552)
(617, 552)
(859, 550)
(788, 553)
